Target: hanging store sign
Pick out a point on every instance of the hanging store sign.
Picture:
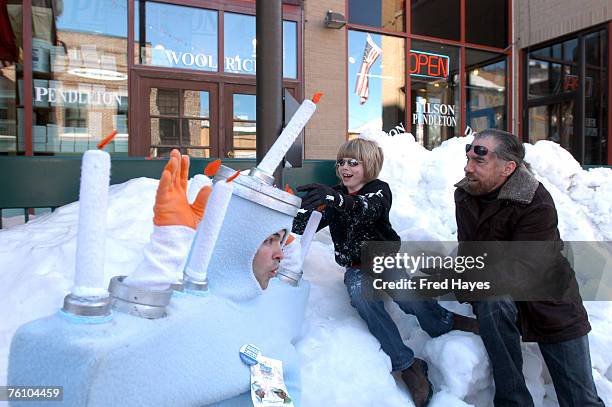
(428, 65)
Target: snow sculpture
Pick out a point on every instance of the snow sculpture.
(191, 356)
(280, 147)
(206, 236)
(89, 297)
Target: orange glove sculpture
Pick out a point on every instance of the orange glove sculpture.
(171, 204)
(175, 223)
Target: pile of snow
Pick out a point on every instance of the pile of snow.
(342, 363)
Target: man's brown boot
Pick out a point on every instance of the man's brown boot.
(461, 323)
(419, 385)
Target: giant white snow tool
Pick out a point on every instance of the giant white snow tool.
(89, 298)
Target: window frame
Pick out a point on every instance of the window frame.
(579, 96)
(462, 44)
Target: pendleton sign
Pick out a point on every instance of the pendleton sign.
(428, 65)
(434, 114)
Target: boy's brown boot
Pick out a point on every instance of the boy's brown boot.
(419, 385)
(466, 324)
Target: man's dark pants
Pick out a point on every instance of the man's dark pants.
(569, 362)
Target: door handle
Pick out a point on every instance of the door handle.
(230, 154)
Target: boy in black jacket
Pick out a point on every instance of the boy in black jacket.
(357, 211)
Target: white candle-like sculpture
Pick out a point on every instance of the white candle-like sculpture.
(309, 232)
(280, 147)
(206, 236)
(91, 234)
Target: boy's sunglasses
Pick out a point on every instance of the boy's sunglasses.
(478, 150)
(352, 162)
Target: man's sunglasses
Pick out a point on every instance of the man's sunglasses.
(478, 150)
(352, 162)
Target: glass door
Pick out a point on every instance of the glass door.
(178, 114)
(241, 114)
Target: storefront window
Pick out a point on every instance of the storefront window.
(387, 14)
(436, 18)
(554, 89)
(435, 92)
(176, 36)
(11, 108)
(549, 78)
(239, 47)
(377, 80)
(595, 111)
(485, 90)
(79, 64)
(290, 49)
(554, 122)
(486, 22)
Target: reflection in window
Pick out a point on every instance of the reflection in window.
(11, 107)
(79, 64)
(176, 36)
(554, 122)
(290, 49)
(436, 18)
(179, 118)
(239, 46)
(485, 90)
(388, 14)
(435, 93)
(376, 82)
(552, 70)
(244, 126)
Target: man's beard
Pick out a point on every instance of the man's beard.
(478, 188)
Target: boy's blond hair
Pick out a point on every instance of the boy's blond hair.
(367, 152)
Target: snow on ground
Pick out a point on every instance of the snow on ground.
(342, 364)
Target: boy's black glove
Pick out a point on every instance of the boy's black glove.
(319, 194)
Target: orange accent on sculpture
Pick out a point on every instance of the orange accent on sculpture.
(233, 177)
(212, 168)
(106, 140)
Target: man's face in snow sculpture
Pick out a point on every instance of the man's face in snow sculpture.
(484, 170)
(267, 259)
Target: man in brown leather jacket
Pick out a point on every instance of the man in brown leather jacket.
(500, 200)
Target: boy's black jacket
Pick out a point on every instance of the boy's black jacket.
(367, 220)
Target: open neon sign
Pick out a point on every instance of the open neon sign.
(428, 65)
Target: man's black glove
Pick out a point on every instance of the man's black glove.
(319, 194)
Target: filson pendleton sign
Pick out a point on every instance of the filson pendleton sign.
(434, 114)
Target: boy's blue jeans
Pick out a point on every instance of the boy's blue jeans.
(433, 318)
